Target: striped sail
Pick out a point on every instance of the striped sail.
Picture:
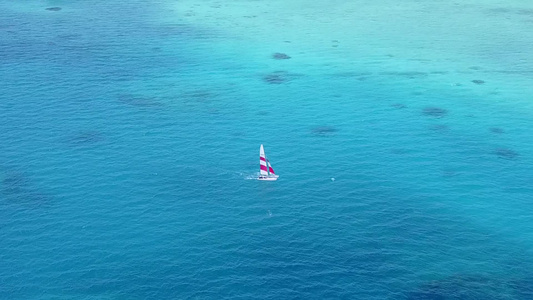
(262, 162)
(270, 168)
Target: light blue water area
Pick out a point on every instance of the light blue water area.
(129, 137)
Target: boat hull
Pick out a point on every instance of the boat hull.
(270, 178)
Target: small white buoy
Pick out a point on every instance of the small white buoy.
(332, 179)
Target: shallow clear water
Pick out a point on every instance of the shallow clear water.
(129, 134)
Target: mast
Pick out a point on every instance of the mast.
(268, 165)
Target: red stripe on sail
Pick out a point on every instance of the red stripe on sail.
(271, 170)
(262, 158)
(264, 168)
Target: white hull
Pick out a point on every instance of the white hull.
(271, 178)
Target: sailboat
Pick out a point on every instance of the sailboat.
(265, 169)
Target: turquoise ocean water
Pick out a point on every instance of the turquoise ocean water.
(129, 134)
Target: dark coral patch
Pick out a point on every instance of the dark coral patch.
(86, 138)
(16, 186)
(238, 134)
(449, 173)
(399, 105)
(185, 31)
(56, 8)
(523, 288)
(470, 287)
(506, 153)
(409, 75)
(280, 77)
(399, 151)
(435, 112)
(14, 182)
(69, 37)
(199, 96)
(133, 100)
(323, 130)
(274, 78)
(351, 74)
(478, 81)
(526, 12)
(499, 10)
(277, 77)
(455, 287)
(496, 130)
(280, 56)
(440, 128)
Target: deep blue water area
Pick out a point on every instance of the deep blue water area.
(129, 140)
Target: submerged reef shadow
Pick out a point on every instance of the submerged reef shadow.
(409, 75)
(506, 153)
(447, 173)
(280, 56)
(186, 31)
(435, 112)
(360, 76)
(14, 182)
(398, 105)
(85, 138)
(526, 12)
(199, 96)
(505, 11)
(470, 287)
(399, 151)
(69, 37)
(351, 74)
(323, 130)
(17, 188)
(496, 130)
(439, 72)
(142, 102)
(279, 77)
(498, 10)
(440, 128)
(274, 78)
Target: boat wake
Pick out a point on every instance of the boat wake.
(253, 176)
